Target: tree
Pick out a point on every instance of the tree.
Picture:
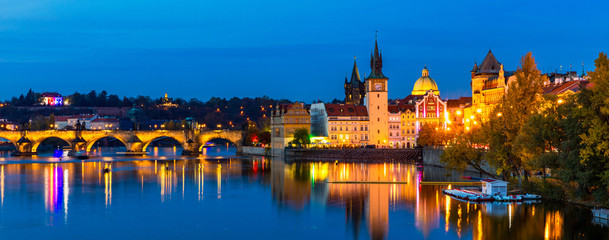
(466, 150)
(170, 125)
(114, 101)
(595, 139)
(265, 137)
(505, 121)
(436, 134)
(301, 137)
(430, 135)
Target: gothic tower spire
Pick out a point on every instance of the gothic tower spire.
(376, 62)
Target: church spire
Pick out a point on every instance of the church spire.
(376, 62)
(355, 72)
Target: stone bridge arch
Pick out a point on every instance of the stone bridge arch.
(12, 136)
(38, 141)
(235, 137)
(27, 142)
(91, 137)
(147, 137)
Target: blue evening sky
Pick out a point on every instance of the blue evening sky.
(300, 50)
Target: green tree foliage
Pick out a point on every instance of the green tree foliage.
(436, 134)
(595, 137)
(522, 100)
(213, 112)
(466, 150)
(431, 134)
(301, 137)
(41, 123)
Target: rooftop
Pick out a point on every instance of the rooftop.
(335, 110)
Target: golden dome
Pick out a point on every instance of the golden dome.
(424, 84)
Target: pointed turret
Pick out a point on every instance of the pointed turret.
(476, 68)
(355, 74)
(376, 62)
(489, 64)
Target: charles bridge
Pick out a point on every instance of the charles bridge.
(136, 142)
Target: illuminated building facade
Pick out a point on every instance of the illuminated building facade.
(51, 99)
(408, 126)
(355, 89)
(456, 108)
(285, 119)
(377, 100)
(423, 106)
(104, 124)
(395, 138)
(488, 84)
(348, 124)
(8, 125)
(167, 102)
(63, 122)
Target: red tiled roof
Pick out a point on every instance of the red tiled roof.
(65, 118)
(346, 110)
(566, 86)
(455, 103)
(62, 118)
(393, 108)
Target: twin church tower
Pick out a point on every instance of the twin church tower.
(373, 94)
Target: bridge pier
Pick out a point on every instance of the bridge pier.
(17, 153)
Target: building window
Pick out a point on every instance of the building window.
(378, 131)
(277, 132)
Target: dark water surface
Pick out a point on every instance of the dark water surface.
(219, 196)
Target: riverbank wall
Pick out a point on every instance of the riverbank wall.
(354, 155)
(431, 157)
(256, 151)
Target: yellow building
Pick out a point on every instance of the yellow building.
(347, 124)
(488, 88)
(408, 127)
(376, 101)
(285, 119)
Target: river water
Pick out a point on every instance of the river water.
(223, 196)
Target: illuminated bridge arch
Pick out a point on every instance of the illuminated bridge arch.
(38, 141)
(146, 144)
(92, 142)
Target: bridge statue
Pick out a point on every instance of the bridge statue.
(136, 142)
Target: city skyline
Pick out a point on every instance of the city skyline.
(259, 49)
